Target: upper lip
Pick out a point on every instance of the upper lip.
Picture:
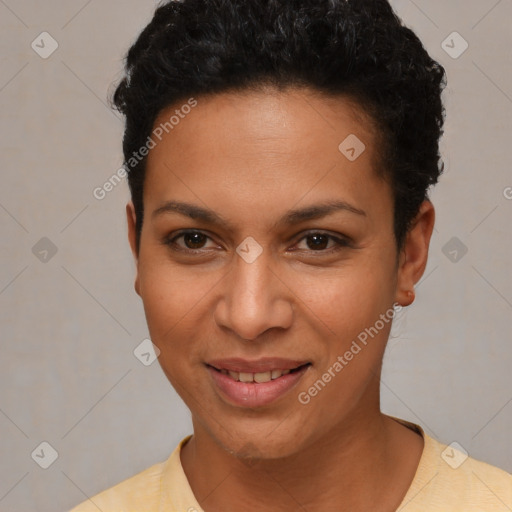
(265, 364)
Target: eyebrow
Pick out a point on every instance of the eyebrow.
(295, 216)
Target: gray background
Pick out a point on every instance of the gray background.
(70, 322)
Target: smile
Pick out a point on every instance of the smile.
(259, 377)
(255, 389)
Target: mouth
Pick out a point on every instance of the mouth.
(258, 377)
(255, 384)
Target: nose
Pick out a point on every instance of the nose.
(254, 299)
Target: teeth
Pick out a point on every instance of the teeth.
(255, 377)
(276, 374)
(263, 377)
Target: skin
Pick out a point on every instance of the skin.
(250, 157)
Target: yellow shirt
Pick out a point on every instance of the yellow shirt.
(446, 480)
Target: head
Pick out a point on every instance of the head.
(279, 156)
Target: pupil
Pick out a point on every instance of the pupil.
(193, 239)
(320, 241)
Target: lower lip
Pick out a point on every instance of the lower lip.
(254, 394)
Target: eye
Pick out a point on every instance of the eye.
(319, 242)
(192, 241)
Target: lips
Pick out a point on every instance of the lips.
(255, 383)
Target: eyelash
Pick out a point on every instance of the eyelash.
(341, 242)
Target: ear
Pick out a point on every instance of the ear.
(131, 218)
(413, 256)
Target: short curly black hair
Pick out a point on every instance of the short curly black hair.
(358, 49)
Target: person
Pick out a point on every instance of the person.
(279, 156)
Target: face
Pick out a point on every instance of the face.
(265, 254)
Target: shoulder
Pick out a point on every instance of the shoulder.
(449, 479)
(135, 494)
(470, 483)
(163, 486)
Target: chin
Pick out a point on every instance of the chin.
(253, 451)
(260, 446)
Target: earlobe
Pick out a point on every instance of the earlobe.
(414, 254)
(131, 220)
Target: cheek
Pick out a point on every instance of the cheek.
(172, 297)
(348, 312)
(172, 301)
(347, 300)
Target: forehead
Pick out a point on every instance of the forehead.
(299, 119)
(264, 146)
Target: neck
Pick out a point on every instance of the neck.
(351, 468)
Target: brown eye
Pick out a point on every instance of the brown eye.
(191, 241)
(319, 242)
(194, 240)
